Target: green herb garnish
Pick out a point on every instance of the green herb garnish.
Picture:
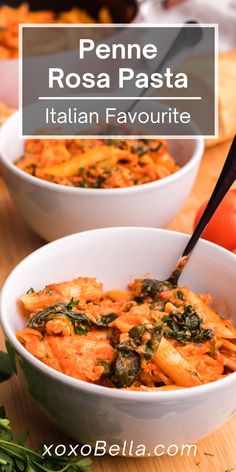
(48, 290)
(31, 290)
(83, 184)
(142, 150)
(139, 150)
(72, 303)
(15, 457)
(99, 181)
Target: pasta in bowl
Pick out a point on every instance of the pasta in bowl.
(98, 163)
(54, 210)
(153, 336)
(152, 414)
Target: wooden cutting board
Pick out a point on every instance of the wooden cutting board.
(217, 453)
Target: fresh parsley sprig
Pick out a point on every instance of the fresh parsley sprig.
(15, 457)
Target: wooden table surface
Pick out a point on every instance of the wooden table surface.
(216, 453)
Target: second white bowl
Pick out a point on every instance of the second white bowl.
(54, 210)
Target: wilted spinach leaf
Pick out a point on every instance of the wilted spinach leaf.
(127, 367)
(153, 334)
(80, 320)
(186, 327)
(131, 351)
(153, 288)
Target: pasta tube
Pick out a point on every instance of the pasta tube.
(82, 287)
(87, 159)
(209, 316)
(175, 365)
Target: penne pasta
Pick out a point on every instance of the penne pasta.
(229, 363)
(85, 288)
(97, 163)
(176, 366)
(151, 337)
(229, 345)
(221, 327)
(87, 159)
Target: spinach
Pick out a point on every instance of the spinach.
(153, 334)
(139, 150)
(179, 295)
(153, 288)
(131, 352)
(186, 327)
(72, 303)
(80, 328)
(79, 320)
(98, 183)
(83, 184)
(127, 366)
(15, 457)
(144, 341)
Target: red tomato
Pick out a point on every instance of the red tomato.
(222, 227)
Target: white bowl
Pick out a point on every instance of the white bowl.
(54, 210)
(89, 412)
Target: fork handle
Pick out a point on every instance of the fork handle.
(226, 179)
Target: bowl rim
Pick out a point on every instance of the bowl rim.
(92, 389)
(190, 164)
